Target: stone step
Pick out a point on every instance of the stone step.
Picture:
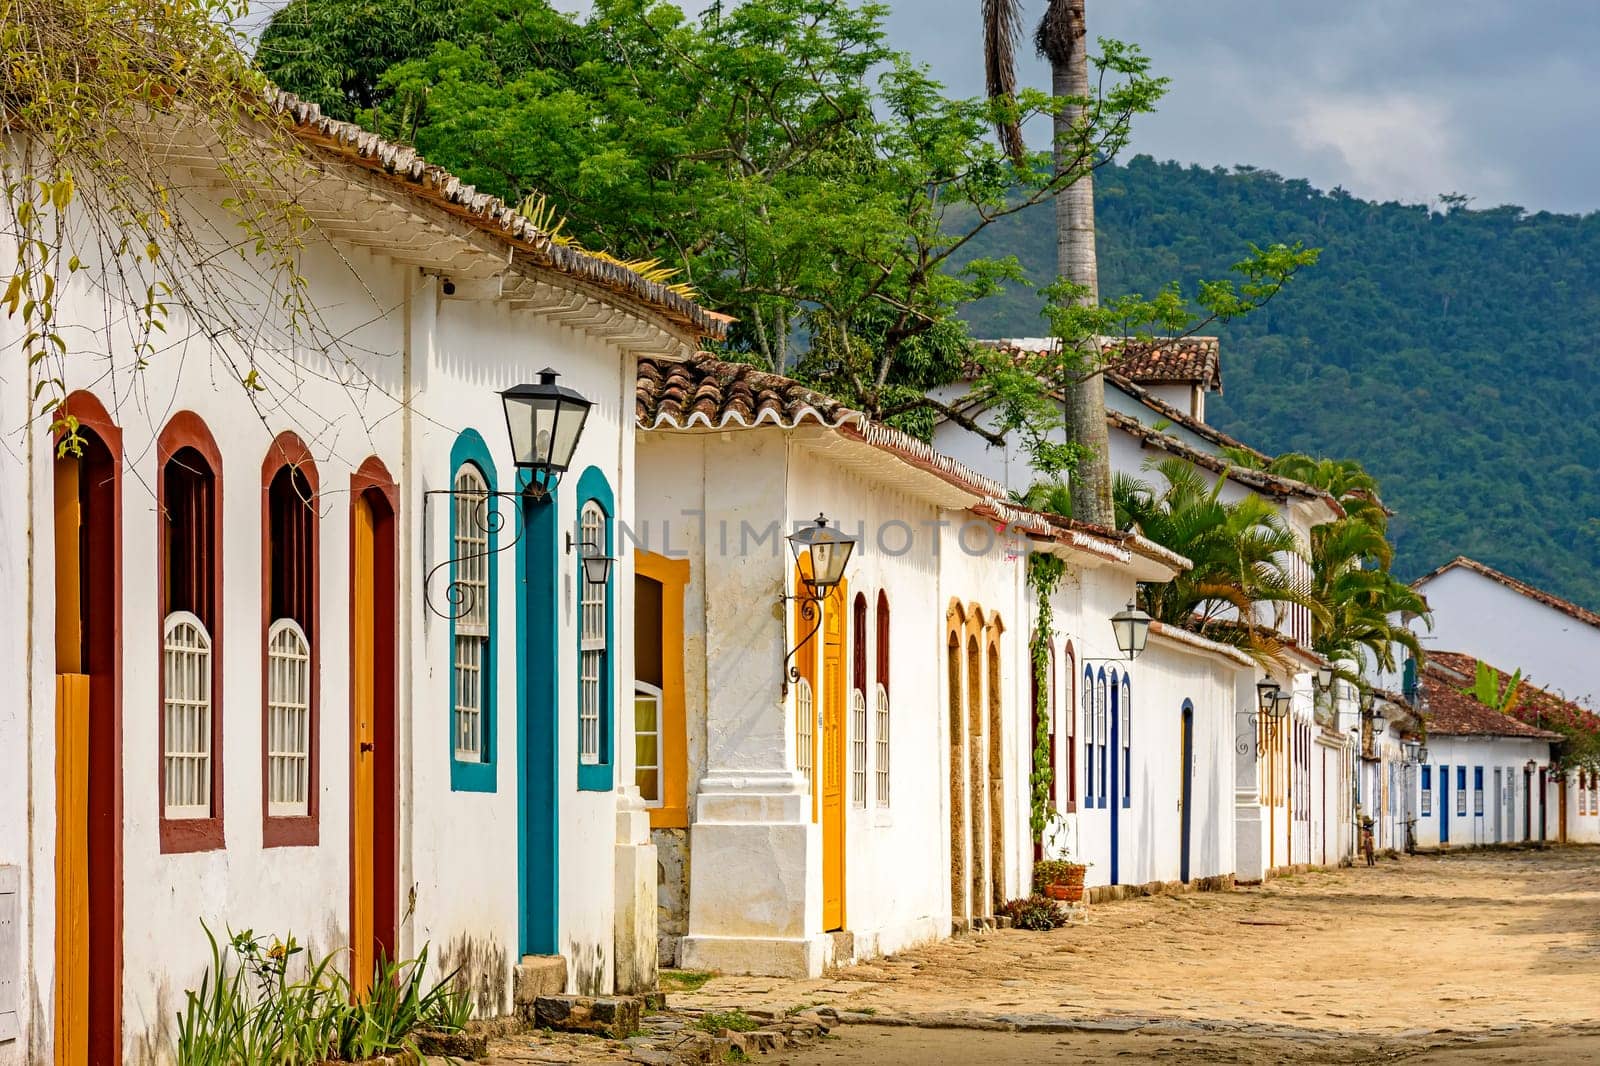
(538, 975)
(614, 1016)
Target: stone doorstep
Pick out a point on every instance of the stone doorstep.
(616, 1017)
(535, 976)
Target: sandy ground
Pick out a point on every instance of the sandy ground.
(1464, 958)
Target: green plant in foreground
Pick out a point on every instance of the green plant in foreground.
(684, 980)
(248, 1012)
(1034, 912)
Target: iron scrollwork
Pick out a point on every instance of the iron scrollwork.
(487, 520)
(809, 613)
(1242, 745)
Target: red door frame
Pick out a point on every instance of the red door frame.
(101, 489)
(373, 483)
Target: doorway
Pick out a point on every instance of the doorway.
(88, 854)
(539, 678)
(374, 855)
(1186, 787)
(1116, 770)
(1444, 805)
(833, 758)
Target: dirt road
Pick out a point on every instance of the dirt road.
(1492, 954)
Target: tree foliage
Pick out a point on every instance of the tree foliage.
(1448, 350)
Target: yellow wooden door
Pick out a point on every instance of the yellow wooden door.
(363, 756)
(833, 759)
(72, 779)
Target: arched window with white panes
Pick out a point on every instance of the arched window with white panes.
(596, 622)
(473, 666)
(858, 702)
(290, 634)
(593, 650)
(805, 714)
(1088, 737)
(186, 710)
(1126, 739)
(1101, 737)
(288, 720)
(881, 701)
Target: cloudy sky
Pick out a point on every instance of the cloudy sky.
(1392, 99)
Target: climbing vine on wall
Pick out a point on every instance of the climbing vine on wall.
(1044, 577)
(113, 113)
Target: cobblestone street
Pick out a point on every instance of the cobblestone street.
(1460, 958)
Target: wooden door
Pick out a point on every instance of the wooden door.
(363, 734)
(72, 778)
(833, 759)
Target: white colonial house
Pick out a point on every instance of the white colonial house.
(1293, 770)
(1556, 644)
(868, 780)
(307, 660)
(1486, 778)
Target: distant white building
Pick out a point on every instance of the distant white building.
(1555, 643)
(1487, 777)
(1287, 778)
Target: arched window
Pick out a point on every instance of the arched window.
(1101, 738)
(596, 713)
(474, 667)
(1088, 737)
(190, 580)
(881, 734)
(1055, 778)
(1127, 741)
(475, 518)
(1071, 705)
(290, 634)
(858, 702)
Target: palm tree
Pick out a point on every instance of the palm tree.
(1238, 549)
(1062, 39)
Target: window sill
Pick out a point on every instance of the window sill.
(292, 831)
(669, 817)
(471, 776)
(184, 835)
(594, 777)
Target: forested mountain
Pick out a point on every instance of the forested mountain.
(1454, 353)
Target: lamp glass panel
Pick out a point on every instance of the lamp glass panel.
(569, 418)
(519, 424)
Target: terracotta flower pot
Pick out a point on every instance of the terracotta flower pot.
(1065, 893)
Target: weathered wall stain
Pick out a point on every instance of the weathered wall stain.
(588, 968)
(483, 969)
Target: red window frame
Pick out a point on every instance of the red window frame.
(290, 587)
(187, 439)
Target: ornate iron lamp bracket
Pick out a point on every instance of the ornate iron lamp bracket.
(1242, 745)
(809, 612)
(488, 519)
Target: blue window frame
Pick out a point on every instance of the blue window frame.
(472, 629)
(1102, 737)
(1127, 743)
(1461, 790)
(1088, 737)
(1427, 790)
(596, 512)
(1477, 791)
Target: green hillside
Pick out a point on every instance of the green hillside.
(1454, 354)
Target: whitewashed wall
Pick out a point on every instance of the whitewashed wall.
(1552, 649)
(1501, 822)
(458, 860)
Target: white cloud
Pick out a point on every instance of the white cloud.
(1395, 145)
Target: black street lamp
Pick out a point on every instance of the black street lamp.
(1267, 697)
(830, 551)
(544, 422)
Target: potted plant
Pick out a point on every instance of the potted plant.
(1059, 879)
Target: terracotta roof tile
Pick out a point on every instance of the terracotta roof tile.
(713, 394)
(1582, 614)
(1175, 361)
(1453, 713)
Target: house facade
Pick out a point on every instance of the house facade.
(1489, 777)
(1555, 643)
(308, 660)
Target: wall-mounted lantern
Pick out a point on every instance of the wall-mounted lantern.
(830, 550)
(1132, 629)
(1325, 677)
(1530, 766)
(596, 565)
(1267, 697)
(544, 421)
(1422, 753)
